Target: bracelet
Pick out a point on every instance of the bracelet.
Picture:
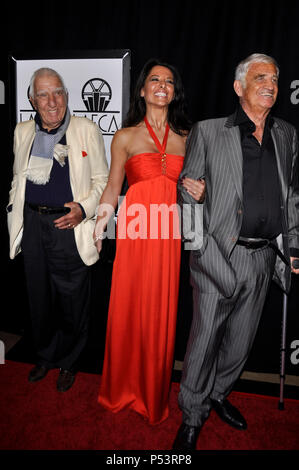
(99, 237)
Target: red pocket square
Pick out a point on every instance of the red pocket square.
(84, 154)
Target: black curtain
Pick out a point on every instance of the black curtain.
(205, 40)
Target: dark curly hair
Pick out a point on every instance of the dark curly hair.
(177, 117)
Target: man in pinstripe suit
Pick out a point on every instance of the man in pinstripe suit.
(250, 234)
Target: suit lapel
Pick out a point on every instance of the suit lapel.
(27, 145)
(73, 161)
(233, 150)
(280, 153)
(232, 141)
(74, 141)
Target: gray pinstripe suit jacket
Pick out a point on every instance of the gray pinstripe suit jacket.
(214, 153)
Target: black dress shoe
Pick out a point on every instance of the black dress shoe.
(186, 437)
(65, 380)
(37, 373)
(229, 414)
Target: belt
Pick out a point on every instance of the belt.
(255, 243)
(48, 210)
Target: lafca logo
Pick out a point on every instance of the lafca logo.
(96, 95)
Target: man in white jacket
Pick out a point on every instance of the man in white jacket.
(60, 171)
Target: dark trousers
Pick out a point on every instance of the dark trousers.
(58, 285)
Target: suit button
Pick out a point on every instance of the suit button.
(240, 211)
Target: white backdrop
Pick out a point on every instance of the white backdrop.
(98, 89)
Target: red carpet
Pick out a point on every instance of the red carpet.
(37, 417)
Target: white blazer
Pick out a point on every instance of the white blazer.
(88, 178)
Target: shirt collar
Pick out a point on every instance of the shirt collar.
(241, 119)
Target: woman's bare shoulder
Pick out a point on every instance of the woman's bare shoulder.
(125, 136)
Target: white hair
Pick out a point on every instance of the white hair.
(44, 71)
(242, 67)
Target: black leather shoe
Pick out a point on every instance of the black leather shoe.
(186, 437)
(229, 414)
(65, 380)
(37, 373)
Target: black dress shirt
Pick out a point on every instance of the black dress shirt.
(261, 193)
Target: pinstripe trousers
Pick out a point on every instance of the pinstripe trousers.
(222, 332)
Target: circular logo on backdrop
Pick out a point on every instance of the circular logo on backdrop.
(28, 96)
(96, 94)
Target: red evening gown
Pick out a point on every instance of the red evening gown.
(142, 314)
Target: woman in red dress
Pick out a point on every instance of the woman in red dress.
(140, 336)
